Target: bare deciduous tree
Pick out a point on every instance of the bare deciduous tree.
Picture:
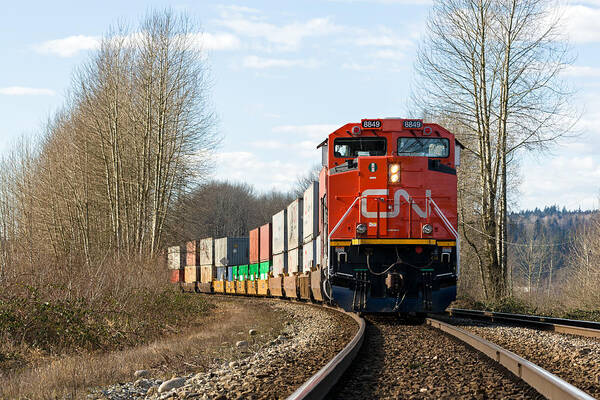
(492, 67)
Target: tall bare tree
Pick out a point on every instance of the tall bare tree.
(493, 67)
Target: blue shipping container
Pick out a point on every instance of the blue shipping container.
(221, 273)
(230, 273)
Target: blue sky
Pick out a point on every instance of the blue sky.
(286, 73)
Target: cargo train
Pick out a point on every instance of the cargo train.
(377, 233)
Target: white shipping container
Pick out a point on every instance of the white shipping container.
(207, 251)
(309, 251)
(207, 273)
(294, 260)
(294, 224)
(175, 260)
(319, 250)
(279, 241)
(310, 216)
(280, 264)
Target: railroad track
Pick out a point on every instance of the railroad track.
(368, 376)
(560, 325)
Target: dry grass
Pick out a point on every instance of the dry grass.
(192, 350)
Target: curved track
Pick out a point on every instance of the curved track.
(546, 383)
(560, 325)
(319, 385)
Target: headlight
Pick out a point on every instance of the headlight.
(361, 229)
(394, 173)
(427, 229)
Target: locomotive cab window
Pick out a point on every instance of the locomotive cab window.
(423, 147)
(356, 147)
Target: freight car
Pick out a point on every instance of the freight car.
(377, 233)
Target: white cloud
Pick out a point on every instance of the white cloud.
(26, 91)
(268, 144)
(389, 54)
(287, 37)
(581, 71)
(401, 2)
(315, 131)
(383, 40)
(69, 46)
(261, 63)
(581, 23)
(216, 41)
(552, 182)
(358, 67)
(261, 172)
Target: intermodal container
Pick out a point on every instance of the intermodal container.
(176, 275)
(294, 224)
(190, 274)
(207, 251)
(294, 260)
(207, 273)
(254, 246)
(230, 274)
(265, 268)
(319, 250)
(280, 266)
(279, 232)
(235, 273)
(231, 251)
(176, 257)
(192, 253)
(243, 273)
(310, 215)
(253, 273)
(309, 252)
(221, 273)
(266, 251)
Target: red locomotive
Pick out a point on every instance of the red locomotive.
(388, 216)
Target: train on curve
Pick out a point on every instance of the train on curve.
(377, 233)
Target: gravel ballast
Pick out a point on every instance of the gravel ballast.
(575, 359)
(400, 360)
(312, 336)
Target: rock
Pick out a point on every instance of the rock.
(233, 364)
(141, 373)
(423, 390)
(281, 338)
(171, 384)
(584, 351)
(242, 344)
(252, 332)
(151, 391)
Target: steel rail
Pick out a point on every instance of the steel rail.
(321, 383)
(546, 383)
(560, 325)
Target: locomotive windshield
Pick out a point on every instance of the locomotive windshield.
(423, 147)
(356, 147)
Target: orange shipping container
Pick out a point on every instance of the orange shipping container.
(254, 245)
(266, 251)
(190, 275)
(192, 254)
(176, 275)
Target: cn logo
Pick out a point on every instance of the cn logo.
(396, 210)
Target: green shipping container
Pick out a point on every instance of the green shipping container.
(243, 272)
(253, 271)
(235, 273)
(264, 269)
